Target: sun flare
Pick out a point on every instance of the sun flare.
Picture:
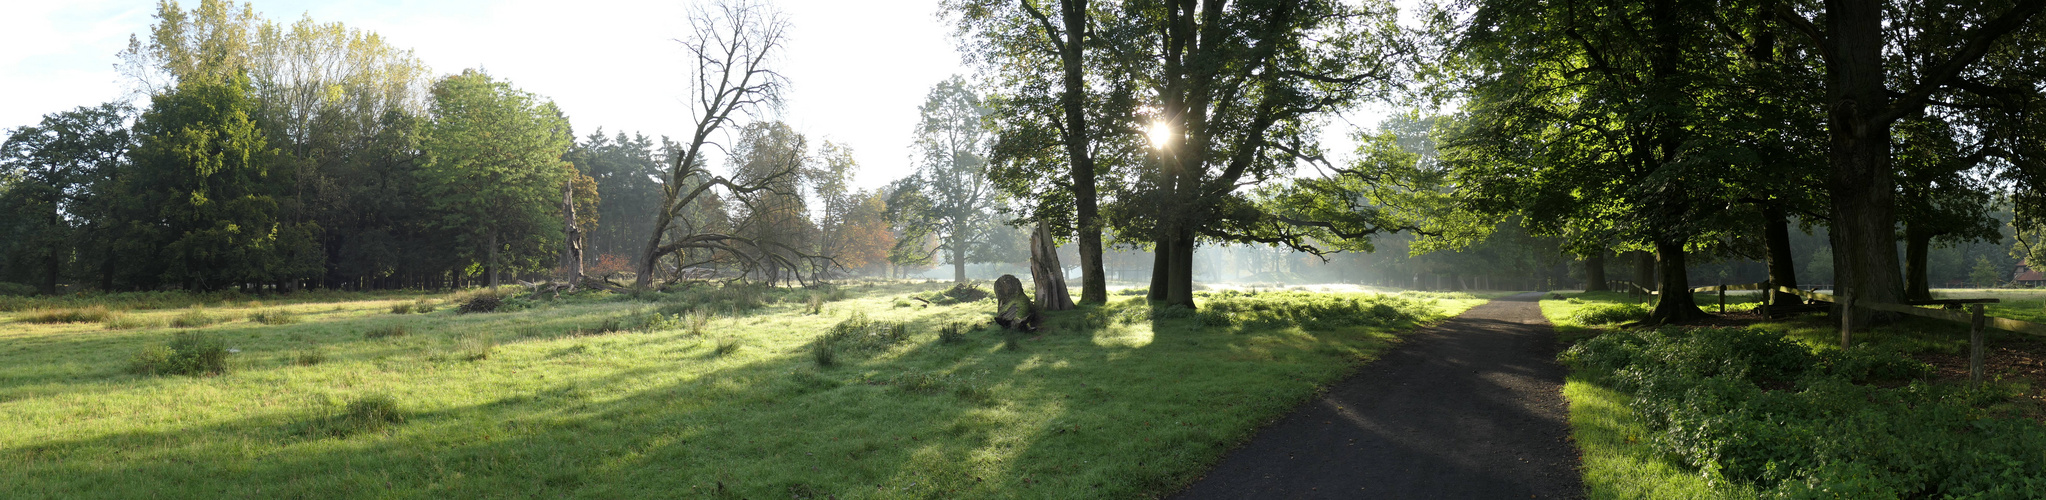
(1160, 134)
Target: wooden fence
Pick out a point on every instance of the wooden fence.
(1950, 310)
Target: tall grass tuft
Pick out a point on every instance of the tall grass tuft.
(195, 318)
(726, 346)
(88, 314)
(384, 332)
(188, 353)
(401, 308)
(815, 305)
(475, 346)
(122, 321)
(273, 317)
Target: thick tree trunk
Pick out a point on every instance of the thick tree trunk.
(1161, 265)
(1782, 267)
(1046, 273)
(1863, 194)
(959, 264)
(1072, 55)
(1644, 269)
(1917, 241)
(1595, 272)
(1676, 305)
(1179, 287)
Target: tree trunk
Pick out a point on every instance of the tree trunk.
(1676, 305)
(1595, 272)
(1863, 194)
(1917, 240)
(958, 263)
(1782, 267)
(1047, 274)
(1161, 265)
(572, 257)
(1644, 269)
(1179, 285)
(1072, 52)
(490, 263)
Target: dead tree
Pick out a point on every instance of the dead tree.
(1045, 270)
(732, 43)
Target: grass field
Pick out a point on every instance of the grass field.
(667, 395)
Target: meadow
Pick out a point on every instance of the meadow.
(872, 390)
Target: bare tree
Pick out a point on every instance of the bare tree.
(734, 44)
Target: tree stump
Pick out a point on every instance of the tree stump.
(1045, 271)
(1013, 309)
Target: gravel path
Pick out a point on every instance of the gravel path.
(1471, 408)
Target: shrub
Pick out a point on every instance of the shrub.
(401, 308)
(824, 354)
(1753, 408)
(423, 306)
(12, 289)
(195, 318)
(482, 302)
(1610, 313)
(88, 314)
(189, 353)
(273, 317)
(383, 332)
(860, 335)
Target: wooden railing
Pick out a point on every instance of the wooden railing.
(1950, 310)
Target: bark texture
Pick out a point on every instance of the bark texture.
(1046, 273)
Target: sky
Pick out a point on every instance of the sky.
(858, 69)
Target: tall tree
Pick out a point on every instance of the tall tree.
(949, 196)
(1930, 52)
(733, 44)
(1029, 47)
(493, 173)
(59, 172)
(207, 206)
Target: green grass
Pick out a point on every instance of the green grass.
(726, 399)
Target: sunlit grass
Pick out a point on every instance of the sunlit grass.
(1106, 403)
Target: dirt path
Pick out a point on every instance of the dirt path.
(1472, 408)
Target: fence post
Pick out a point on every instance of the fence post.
(1846, 320)
(1975, 347)
(1722, 298)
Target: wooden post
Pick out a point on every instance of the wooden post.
(1975, 347)
(1846, 320)
(1722, 298)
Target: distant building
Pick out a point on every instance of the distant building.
(2026, 276)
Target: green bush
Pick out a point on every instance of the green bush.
(309, 357)
(482, 302)
(423, 306)
(726, 346)
(1319, 311)
(401, 308)
(188, 353)
(1751, 407)
(370, 413)
(12, 289)
(1610, 313)
(475, 346)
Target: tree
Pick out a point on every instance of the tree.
(1933, 53)
(626, 170)
(773, 221)
(1021, 42)
(207, 213)
(733, 43)
(949, 196)
(59, 172)
(854, 226)
(494, 173)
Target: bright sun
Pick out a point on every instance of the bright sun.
(1160, 133)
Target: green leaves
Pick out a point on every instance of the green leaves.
(494, 171)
